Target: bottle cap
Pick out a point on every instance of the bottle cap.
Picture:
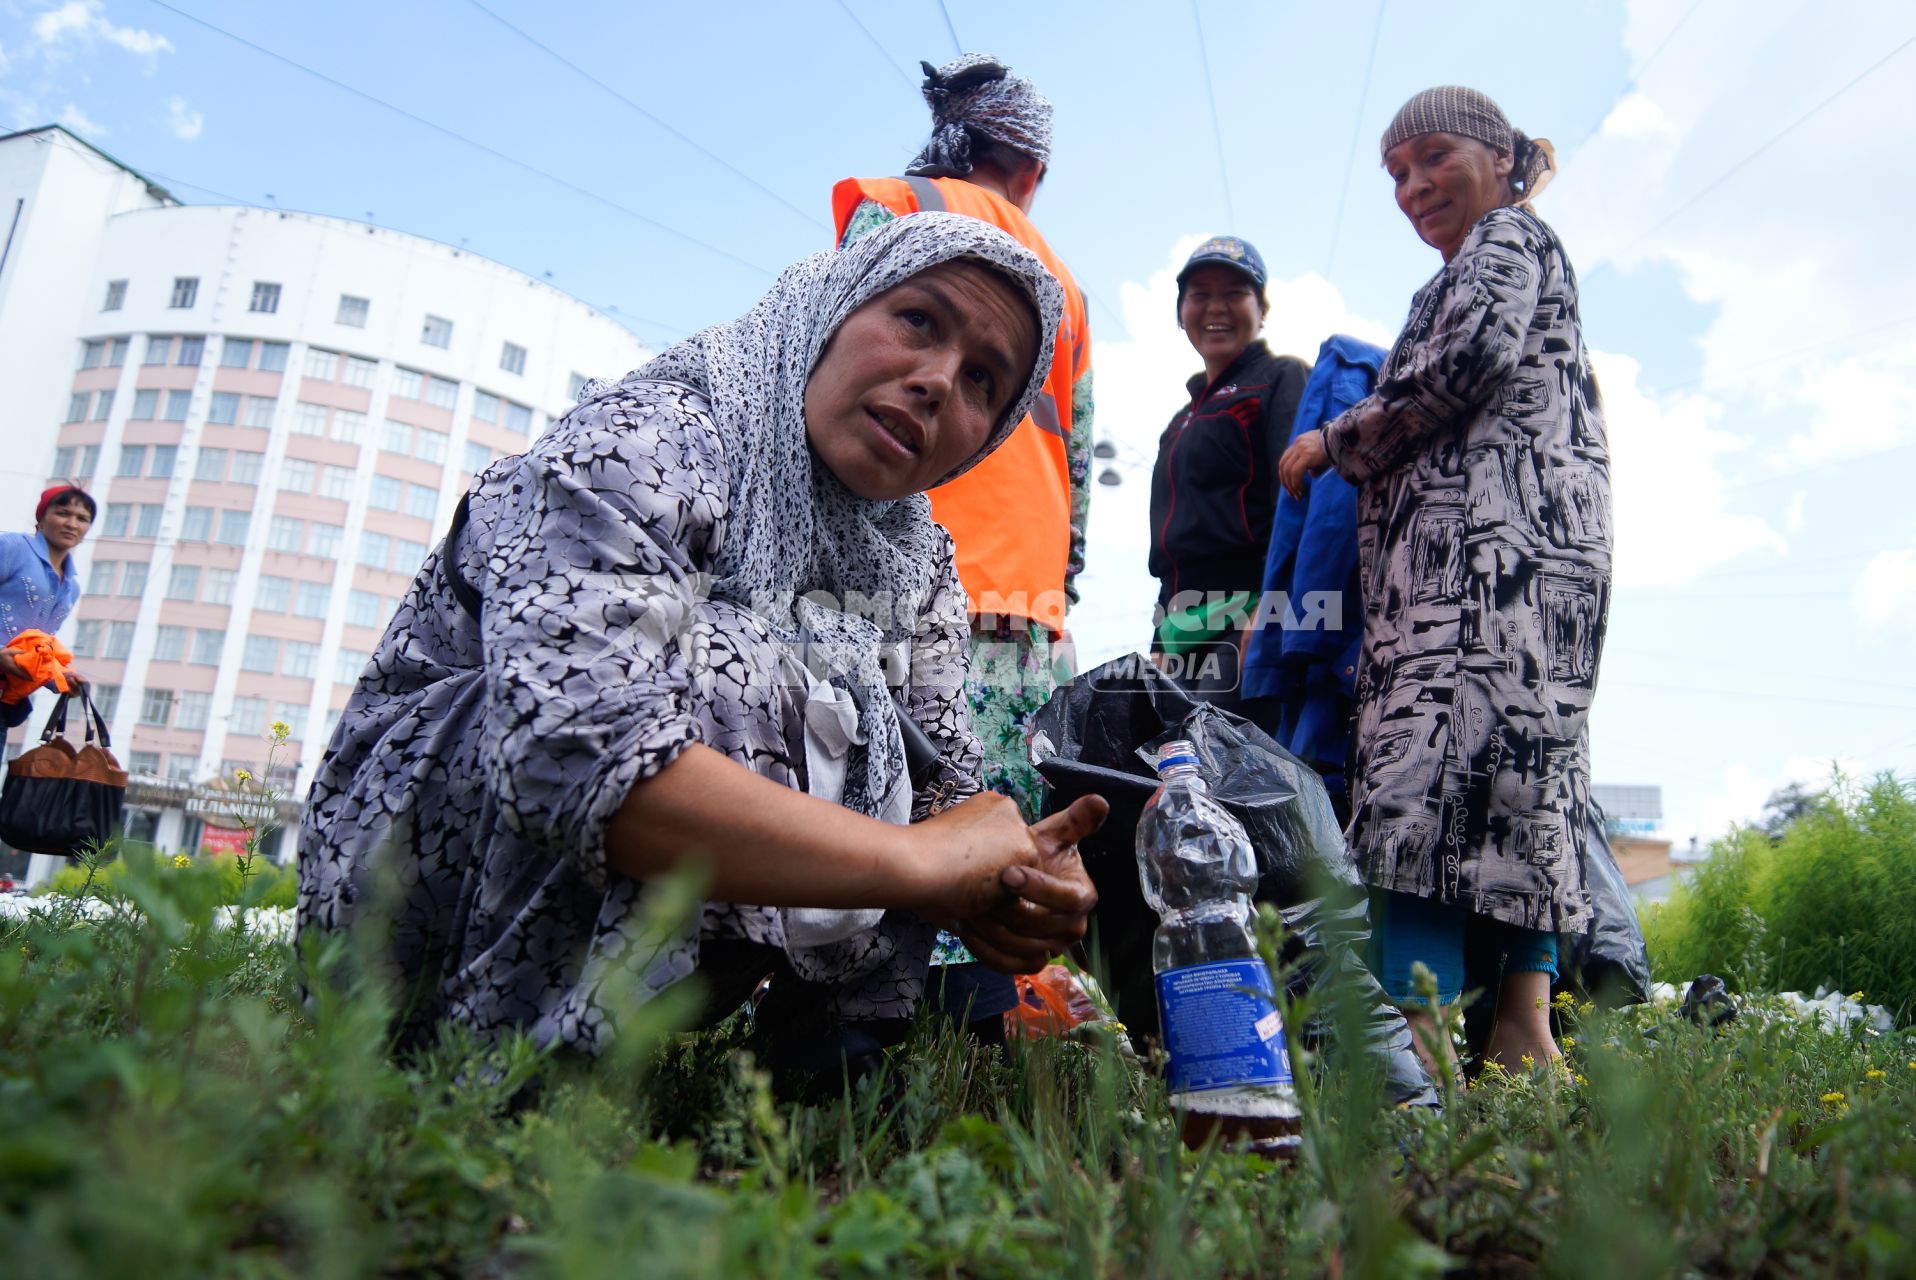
(1178, 751)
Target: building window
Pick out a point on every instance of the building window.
(195, 710)
(485, 406)
(91, 354)
(219, 585)
(165, 456)
(296, 475)
(132, 460)
(429, 446)
(519, 419)
(284, 534)
(222, 408)
(349, 425)
(100, 581)
(156, 708)
(422, 501)
(119, 640)
(408, 555)
(116, 352)
(442, 393)
(177, 405)
(62, 462)
(315, 598)
(364, 609)
(294, 713)
(246, 466)
(146, 404)
(76, 406)
(149, 526)
(272, 357)
(478, 457)
(409, 383)
(348, 664)
(89, 461)
(107, 698)
(321, 364)
(259, 411)
(396, 437)
(169, 644)
(309, 419)
(359, 373)
(186, 290)
(236, 353)
(133, 581)
(144, 763)
(265, 297)
(512, 358)
(115, 295)
(192, 351)
(302, 659)
(86, 643)
(261, 655)
(184, 582)
(247, 717)
(336, 482)
(207, 644)
(234, 526)
(352, 311)
(384, 493)
(102, 406)
(117, 514)
(197, 525)
(324, 540)
(436, 332)
(274, 594)
(375, 549)
(575, 386)
(159, 346)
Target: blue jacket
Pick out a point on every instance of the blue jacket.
(32, 597)
(1311, 673)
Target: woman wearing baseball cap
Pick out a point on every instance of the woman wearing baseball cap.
(1214, 488)
(39, 581)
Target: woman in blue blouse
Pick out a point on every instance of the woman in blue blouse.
(39, 579)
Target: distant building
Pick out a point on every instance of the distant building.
(277, 413)
(1630, 810)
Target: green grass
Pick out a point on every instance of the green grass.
(173, 1108)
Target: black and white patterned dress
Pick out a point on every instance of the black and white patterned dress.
(1484, 535)
(476, 766)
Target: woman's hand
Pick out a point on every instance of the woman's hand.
(1304, 459)
(1052, 900)
(9, 667)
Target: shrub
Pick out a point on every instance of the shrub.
(1832, 902)
(260, 881)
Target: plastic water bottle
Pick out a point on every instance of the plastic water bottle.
(1229, 1070)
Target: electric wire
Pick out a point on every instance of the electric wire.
(957, 45)
(1357, 124)
(494, 152)
(1775, 138)
(693, 143)
(1217, 129)
(873, 40)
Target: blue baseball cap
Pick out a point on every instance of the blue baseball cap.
(1226, 251)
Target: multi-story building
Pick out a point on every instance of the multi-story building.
(277, 413)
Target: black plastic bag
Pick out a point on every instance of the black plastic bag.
(1096, 736)
(1609, 960)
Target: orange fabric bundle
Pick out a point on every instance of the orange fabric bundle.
(44, 659)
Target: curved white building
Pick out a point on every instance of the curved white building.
(277, 413)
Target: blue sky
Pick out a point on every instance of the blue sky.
(1736, 186)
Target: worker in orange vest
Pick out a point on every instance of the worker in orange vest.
(1017, 519)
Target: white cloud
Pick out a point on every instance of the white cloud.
(186, 122)
(75, 119)
(86, 20)
(1793, 513)
(1739, 797)
(1635, 116)
(1885, 595)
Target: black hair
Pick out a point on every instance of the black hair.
(76, 494)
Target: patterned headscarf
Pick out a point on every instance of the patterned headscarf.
(978, 94)
(792, 527)
(1470, 114)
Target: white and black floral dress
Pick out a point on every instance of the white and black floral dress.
(1484, 533)
(476, 767)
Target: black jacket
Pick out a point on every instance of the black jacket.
(1214, 488)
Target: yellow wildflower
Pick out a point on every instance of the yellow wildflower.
(1835, 1098)
(1569, 1042)
(1564, 1002)
(1587, 1008)
(181, 860)
(1582, 1079)
(1856, 996)
(242, 775)
(280, 730)
(1493, 1068)
(1529, 1063)
(1874, 1074)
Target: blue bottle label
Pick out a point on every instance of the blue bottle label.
(1219, 1034)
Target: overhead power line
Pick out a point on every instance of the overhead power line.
(882, 51)
(1775, 138)
(1357, 124)
(957, 45)
(693, 143)
(474, 143)
(1217, 130)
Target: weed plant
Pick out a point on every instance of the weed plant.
(185, 1098)
(1830, 903)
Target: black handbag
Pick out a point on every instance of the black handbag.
(59, 800)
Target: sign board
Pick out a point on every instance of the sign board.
(231, 840)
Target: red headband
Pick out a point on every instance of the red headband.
(51, 495)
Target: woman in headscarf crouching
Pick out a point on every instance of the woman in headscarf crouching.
(1484, 547)
(694, 611)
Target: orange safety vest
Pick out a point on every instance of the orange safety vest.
(1009, 516)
